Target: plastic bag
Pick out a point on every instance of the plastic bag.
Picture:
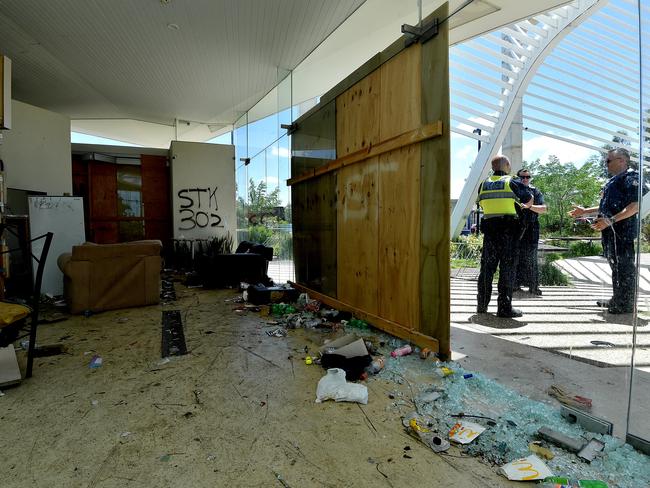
(333, 386)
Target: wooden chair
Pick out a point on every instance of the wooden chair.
(16, 318)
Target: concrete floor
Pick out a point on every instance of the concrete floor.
(552, 344)
(237, 411)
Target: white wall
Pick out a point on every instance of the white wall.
(203, 190)
(36, 151)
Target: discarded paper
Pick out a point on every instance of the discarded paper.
(526, 469)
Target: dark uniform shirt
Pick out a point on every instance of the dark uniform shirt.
(620, 191)
(529, 217)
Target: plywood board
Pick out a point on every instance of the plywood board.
(400, 109)
(399, 236)
(357, 113)
(435, 194)
(357, 230)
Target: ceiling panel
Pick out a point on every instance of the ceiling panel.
(157, 60)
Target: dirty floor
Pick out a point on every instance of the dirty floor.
(238, 410)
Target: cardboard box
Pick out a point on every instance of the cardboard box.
(349, 346)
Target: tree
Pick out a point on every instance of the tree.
(565, 185)
(260, 206)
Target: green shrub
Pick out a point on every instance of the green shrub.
(259, 234)
(584, 248)
(467, 248)
(549, 274)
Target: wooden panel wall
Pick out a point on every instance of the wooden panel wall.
(378, 214)
(357, 230)
(391, 207)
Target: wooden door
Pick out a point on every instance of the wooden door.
(156, 197)
(103, 202)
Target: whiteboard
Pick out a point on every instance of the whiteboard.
(64, 217)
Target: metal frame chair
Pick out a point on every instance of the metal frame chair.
(11, 332)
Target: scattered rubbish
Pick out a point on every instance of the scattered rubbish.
(589, 422)
(541, 451)
(211, 457)
(348, 346)
(333, 386)
(125, 434)
(276, 333)
(602, 343)
(560, 439)
(354, 366)
(280, 309)
(425, 352)
(464, 432)
(420, 427)
(122, 320)
(308, 360)
(593, 448)
(260, 294)
(165, 458)
(526, 469)
(376, 365)
(402, 351)
(444, 371)
(554, 481)
(163, 361)
(468, 376)
(1, 394)
(568, 398)
(357, 324)
(96, 362)
(94, 403)
(335, 315)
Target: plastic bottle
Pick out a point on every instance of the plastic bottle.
(376, 366)
(402, 351)
(558, 481)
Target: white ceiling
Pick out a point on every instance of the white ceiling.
(94, 59)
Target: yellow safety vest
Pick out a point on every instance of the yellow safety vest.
(496, 198)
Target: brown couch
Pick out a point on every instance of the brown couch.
(109, 276)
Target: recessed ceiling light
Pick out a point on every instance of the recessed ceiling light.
(173, 26)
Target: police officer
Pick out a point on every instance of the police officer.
(498, 196)
(527, 268)
(617, 222)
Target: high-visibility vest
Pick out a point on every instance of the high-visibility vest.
(496, 198)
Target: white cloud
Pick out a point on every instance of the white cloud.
(283, 152)
(541, 147)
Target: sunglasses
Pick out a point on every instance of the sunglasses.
(526, 177)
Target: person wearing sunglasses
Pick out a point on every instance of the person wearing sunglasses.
(617, 222)
(499, 196)
(527, 267)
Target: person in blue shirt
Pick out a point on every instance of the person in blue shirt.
(499, 195)
(617, 222)
(527, 268)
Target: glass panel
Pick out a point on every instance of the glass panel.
(129, 191)
(639, 411)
